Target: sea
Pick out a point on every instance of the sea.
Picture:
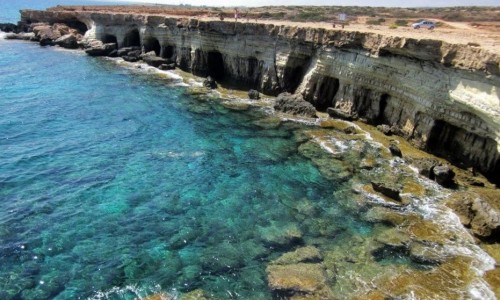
(120, 182)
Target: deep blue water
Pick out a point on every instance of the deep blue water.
(120, 183)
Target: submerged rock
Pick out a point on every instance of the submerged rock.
(308, 279)
(282, 236)
(308, 254)
(295, 105)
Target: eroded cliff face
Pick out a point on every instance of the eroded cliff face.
(443, 97)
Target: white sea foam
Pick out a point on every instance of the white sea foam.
(2, 35)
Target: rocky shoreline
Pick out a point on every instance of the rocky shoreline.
(349, 96)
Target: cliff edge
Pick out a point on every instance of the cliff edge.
(443, 97)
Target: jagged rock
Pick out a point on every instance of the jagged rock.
(385, 129)
(443, 175)
(477, 214)
(253, 94)
(390, 190)
(395, 151)
(298, 278)
(307, 254)
(154, 61)
(166, 67)
(46, 34)
(69, 41)
(339, 114)
(294, 104)
(210, 83)
(98, 48)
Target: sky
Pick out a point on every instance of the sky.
(387, 3)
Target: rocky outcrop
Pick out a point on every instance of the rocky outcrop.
(295, 105)
(443, 97)
(477, 214)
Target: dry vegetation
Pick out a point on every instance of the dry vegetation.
(315, 13)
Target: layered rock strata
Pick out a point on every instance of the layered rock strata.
(442, 97)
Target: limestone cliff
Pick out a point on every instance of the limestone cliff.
(443, 97)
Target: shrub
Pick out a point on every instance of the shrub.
(375, 21)
(393, 26)
(401, 22)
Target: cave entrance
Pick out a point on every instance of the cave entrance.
(323, 92)
(439, 138)
(132, 38)
(382, 105)
(80, 26)
(152, 44)
(168, 51)
(215, 64)
(109, 38)
(294, 72)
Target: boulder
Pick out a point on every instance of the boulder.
(385, 129)
(166, 67)
(130, 58)
(388, 189)
(394, 149)
(98, 48)
(154, 61)
(126, 51)
(339, 114)
(295, 105)
(253, 94)
(350, 130)
(443, 175)
(69, 41)
(210, 83)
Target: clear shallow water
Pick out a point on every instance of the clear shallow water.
(112, 179)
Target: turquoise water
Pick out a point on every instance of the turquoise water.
(112, 180)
